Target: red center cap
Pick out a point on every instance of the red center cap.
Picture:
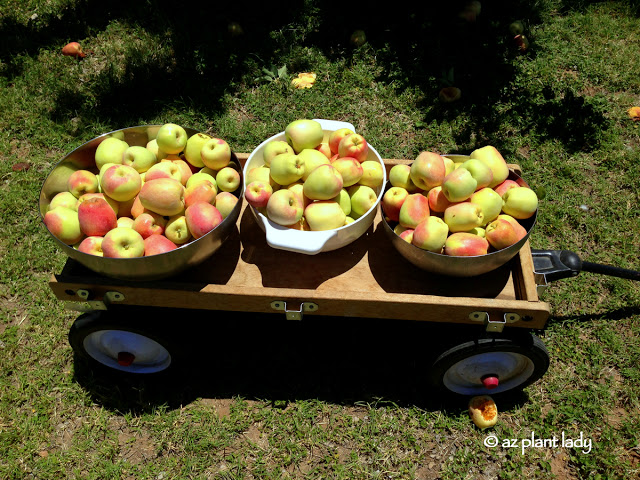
(490, 382)
(125, 359)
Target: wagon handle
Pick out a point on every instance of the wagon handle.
(559, 264)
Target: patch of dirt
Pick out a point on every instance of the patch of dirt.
(616, 416)
(560, 466)
(222, 406)
(135, 446)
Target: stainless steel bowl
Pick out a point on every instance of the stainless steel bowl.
(154, 267)
(459, 266)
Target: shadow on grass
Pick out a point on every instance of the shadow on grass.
(345, 361)
(424, 46)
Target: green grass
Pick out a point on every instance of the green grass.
(559, 110)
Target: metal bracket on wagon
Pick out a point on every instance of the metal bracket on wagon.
(88, 303)
(281, 305)
(494, 325)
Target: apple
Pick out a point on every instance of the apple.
(286, 168)
(110, 150)
(58, 179)
(185, 169)
(438, 202)
(273, 148)
(149, 223)
(123, 242)
(225, 203)
(480, 171)
(216, 153)
(520, 203)
(392, 201)
(449, 94)
(483, 411)
(194, 147)
(494, 160)
(164, 196)
(400, 176)
(430, 234)
(63, 224)
(96, 217)
(478, 231)
(298, 189)
(354, 145)
(350, 169)
(199, 177)
(303, 133)
(407, 235)
(414, 209)
(501, 234)
(459, 185)
(325, 150)
(449, 165)
(428, 170)
(156, 244)
(344, 200)
(464, 244)
(121, 182)
(177, 229)
(125, 222)
(81, 182)
(140, 158)
(336, 137)
(520, 230)
(516, 27)
(136, 207)
(358, 38)
(489, 201)
(284, 207)
(506, 185)
(324, 215)
(261, 174)
(64, 199)
(152, 146)
(257, 193)
(363, 198)
(201, 218)
(115, 205)
(164, 169)
(311, 158)
(228, 179)
(372, 174)
(324, 183)
(463, 216)
(91, 246)
(171, 138)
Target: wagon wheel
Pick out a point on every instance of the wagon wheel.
(490, 365)
(120, 343)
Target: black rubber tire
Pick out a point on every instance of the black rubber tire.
(482, 356)
(87, 333)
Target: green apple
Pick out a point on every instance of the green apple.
(459, 185)
(228, 179)
(363, 198)
(324, 215)
(110, 150)
(400, 176)
(303, 133)
(324, 183)
(480, 171)
(273, 148)
(64, 199)
(225, 203)
(494, 160)
(177, 230)
(286, 168)
(63, 224)
(430, 234)
(261, 174)
(122, 242)
(140, 158)
(216, 153)
(464, 216)
(372, 174)
(344, 200)
(490, 201)
(312, 158)
(194, 147)
(520, 202)
(201, 177)
(172, 138)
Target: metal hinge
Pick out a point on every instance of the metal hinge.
(87, 304)
(281, 305)
(494, 325)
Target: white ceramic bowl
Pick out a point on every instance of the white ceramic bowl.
(314, 242)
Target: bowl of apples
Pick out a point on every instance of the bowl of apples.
(458, 215)
(144, 202)
(315, 187)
